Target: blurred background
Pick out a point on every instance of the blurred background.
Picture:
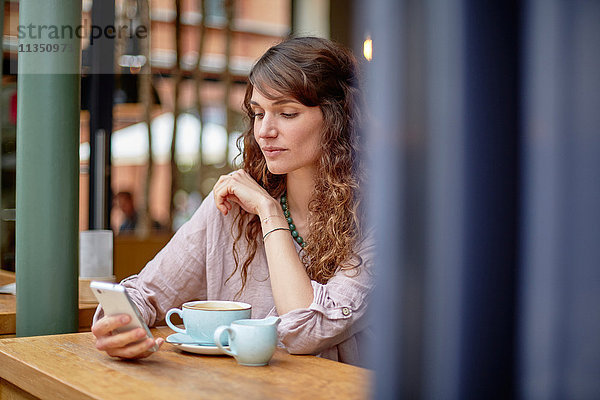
(214, 53)
(483, 146)
(160, 111)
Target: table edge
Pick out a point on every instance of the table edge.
(27, 378)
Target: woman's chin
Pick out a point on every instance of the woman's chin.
(277, 169)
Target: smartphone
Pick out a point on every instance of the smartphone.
(114, 300)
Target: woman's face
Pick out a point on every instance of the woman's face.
(288, 133)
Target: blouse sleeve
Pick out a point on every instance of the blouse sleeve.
(176, 274)
(337, 312)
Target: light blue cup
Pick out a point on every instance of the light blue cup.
(252, 342)
(202, 318)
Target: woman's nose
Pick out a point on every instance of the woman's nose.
(267, 127)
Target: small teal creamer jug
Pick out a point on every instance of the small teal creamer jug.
(252, 342)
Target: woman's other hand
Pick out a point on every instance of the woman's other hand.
(239, 187)
(129, 345)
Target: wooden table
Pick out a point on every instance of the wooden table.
(8, 310)
(69, 367)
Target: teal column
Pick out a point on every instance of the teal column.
(48, 167)
(2, 111)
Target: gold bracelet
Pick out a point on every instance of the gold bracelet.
(266, 219)
(273, 230)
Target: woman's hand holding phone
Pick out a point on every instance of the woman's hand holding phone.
(129, 345)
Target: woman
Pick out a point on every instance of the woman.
(283, 233)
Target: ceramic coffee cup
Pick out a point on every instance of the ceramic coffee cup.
(201, 318)
(252, 342)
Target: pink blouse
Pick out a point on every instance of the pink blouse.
(197, 261)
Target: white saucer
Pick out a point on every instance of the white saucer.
(185, 343)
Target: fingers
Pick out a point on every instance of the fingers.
(219, 193)
(135, 350)
(149, 352)
(106, 325)
(224, 191)
(221, 202)
(120, 340)
(238, 187)
(130, 344)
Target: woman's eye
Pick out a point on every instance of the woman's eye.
(289, 115)
(258, 115)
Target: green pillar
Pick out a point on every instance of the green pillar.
(1, 111)
(48, 168)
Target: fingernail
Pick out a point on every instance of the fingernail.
(125, 319)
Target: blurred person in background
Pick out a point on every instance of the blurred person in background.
(131, 220)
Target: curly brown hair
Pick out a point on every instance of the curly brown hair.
(315, 72)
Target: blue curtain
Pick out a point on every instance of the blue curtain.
(484, 149)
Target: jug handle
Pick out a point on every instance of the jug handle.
(217, 338)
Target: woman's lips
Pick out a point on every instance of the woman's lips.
(272, 151)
